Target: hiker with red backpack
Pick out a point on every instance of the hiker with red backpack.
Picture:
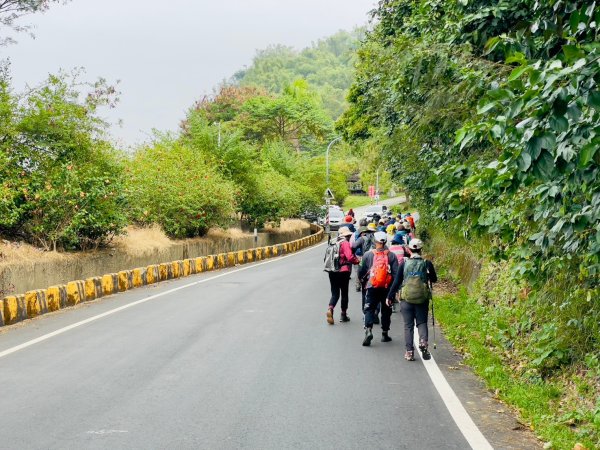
(379, 266)
(338, 260)
(414, 279)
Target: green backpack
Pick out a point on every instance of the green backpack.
(415, 289)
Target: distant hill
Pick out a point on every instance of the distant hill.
(327, 65)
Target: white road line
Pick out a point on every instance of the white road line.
(461, 417)
(138, 302)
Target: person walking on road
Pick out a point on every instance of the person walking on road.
(414, 278)
(379, 267)
(339, 259)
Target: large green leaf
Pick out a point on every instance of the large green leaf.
(543, 167)
(594, 99)
(559, 123)
(587, 154)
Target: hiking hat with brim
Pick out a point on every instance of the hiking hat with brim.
(380, 236)
(344, 231)
(362, 229)
(371, 227)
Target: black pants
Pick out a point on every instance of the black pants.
(411, 314)
(376, 297)
(339, 282)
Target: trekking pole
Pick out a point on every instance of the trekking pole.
(433, 316)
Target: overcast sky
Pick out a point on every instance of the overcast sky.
(168, 53)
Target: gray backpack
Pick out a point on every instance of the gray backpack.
(332, 257)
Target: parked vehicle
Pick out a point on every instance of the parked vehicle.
(381, 210)
(336, 218)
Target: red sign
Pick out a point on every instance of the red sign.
(371, 191)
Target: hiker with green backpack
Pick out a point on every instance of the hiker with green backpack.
(414, 280)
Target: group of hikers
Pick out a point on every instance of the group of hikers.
(390, 271)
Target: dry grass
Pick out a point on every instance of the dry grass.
(219, 233)
(288, 225)
(142, 241)
(19, 252)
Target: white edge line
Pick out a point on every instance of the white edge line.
(461, 417)
(138, 302)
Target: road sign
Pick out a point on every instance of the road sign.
(329, 194)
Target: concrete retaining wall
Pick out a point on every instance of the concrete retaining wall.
(22, 277)
(15, 308)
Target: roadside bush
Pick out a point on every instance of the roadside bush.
(61, 181)
(172, 184)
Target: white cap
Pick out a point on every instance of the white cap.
(380, 236)
(415, 244)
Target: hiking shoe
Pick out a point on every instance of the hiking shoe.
(385, 337)
(376, 320)
(330, 316)
(344, 318)
(424, 350)
(409, 355)
(368, 337)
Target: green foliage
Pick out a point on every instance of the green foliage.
(295, 116)
(176, 186)
(531, 346)
(327, 66)
(62, 183)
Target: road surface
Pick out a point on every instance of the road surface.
(240, 358)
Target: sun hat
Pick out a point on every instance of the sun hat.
(348, 219)
(371, 227)
(344, 231)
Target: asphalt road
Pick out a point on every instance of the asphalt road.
(244, 360)
(240, 358)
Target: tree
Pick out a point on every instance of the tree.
(295, 117)
(12, 10)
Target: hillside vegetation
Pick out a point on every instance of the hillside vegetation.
(501, 99)
(327, 65)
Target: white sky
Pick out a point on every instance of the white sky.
(167, 54)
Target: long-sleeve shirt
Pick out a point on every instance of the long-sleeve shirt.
(347, 257)
(367, 262)
(399, 278)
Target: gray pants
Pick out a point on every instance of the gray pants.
(411, 314)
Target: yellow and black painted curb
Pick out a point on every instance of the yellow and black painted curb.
(16, 308)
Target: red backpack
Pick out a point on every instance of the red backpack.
(381, 276)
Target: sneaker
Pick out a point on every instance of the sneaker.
(385, 337)
(330, 316)
(409, 355)
(368, 337)
(376, 320)
(424, 350)
(344, 318)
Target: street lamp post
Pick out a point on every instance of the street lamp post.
(327, 158)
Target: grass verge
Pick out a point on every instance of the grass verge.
(356, 201)
(467, 327)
